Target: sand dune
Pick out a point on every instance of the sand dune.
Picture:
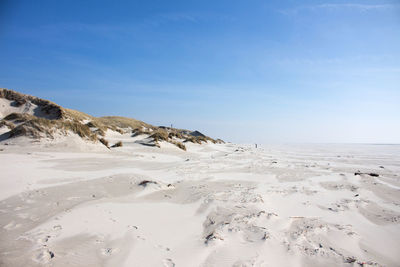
(44, 121)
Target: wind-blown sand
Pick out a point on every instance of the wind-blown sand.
(213, 205)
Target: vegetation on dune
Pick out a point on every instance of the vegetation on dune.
(100, 129)
(118, 144)
(179, 144)
(75, 115)
(19, 99)
(8, 124)
(119, 130)
(192, 139)
(175, 133)
(199, 139)
(160, 135)
(80, 129)
(39, 127)
(104, 142)
(163, 135)
(100, 132)
(30, 129)
(139, 131)
(63, 120)
(114, 123)
(91, 124)
(18, 117)
(122, 122)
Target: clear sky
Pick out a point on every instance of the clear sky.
(244, 71)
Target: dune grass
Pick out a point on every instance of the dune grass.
(179, 144)
(122, 122)
(163, 135)
(160, 135)
(104, 142)
(100, 129)
(8, 124)
(140, 131)
(88, 127)
(175, 133)
(38, 127)
(75, 115)
(46, 106)
(18, 117)
(118, 144)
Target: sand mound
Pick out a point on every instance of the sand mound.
(28, 116)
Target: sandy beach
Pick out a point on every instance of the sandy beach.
(212, 205)
(200, 133)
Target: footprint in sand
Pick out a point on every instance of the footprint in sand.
(57, 227)
(163, 248)
(44, 256)
(11, 226)
(141, 238)
(34, 218)
(23, 215)
(44, 239)
(109, 251)
(168, 263)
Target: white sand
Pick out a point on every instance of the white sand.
(6, 108)
(214, 205)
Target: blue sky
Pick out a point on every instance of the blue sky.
(244, 71)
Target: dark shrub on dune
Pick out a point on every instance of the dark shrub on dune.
(118, 144)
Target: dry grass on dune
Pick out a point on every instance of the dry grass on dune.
(76, 115)
(104, 142)
(175, 133)
(19, 117)
(8, 124)
(199, 139)
(118, 144)
(122, 122)
(167, 134)
(63, 120)
(179, 144)
(163, 135)
(100, 128)
(78, 128)
(139, 131)
(189, 136)
(38, 127)
(192, 139)
(160, 135)
(114, 123)
(19, 99)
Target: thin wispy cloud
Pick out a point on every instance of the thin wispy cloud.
(193, 18)
(162, 19)
(357, 59)
(359, 7)
(340, 7)
(180, 17)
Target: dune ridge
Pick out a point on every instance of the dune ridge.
(36, 118)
